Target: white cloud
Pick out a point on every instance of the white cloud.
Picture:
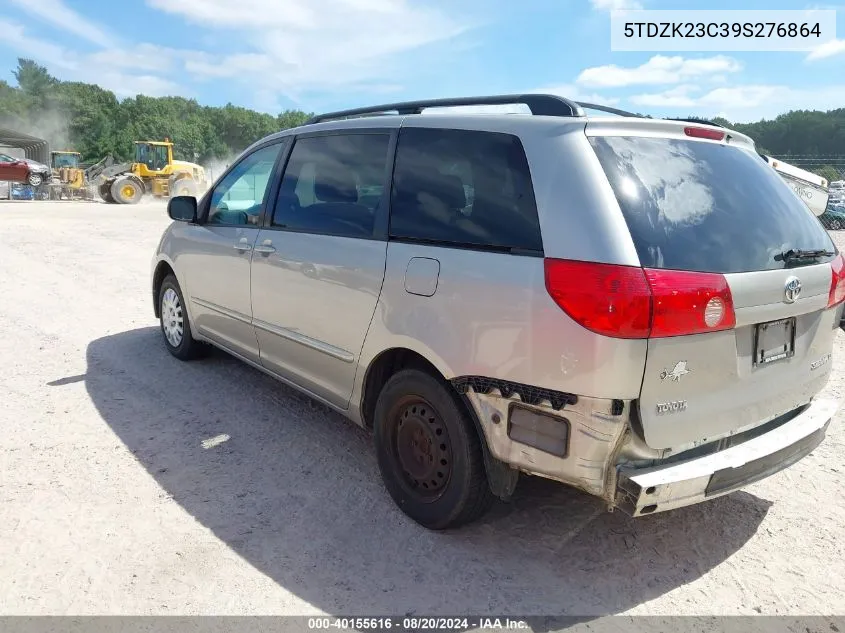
(615, 5)
(828, 49)
(66, 19)
(677, 97)
(745, 103)
(576, 94)
(106, 70)
(315, 44)
(659, 70)
(309, 46)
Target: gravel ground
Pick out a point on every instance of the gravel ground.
(131, 483)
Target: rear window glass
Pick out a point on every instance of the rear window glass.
(464, 188)
(705, 207)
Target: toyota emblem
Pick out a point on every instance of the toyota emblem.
(792, 290)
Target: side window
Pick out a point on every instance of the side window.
(332, 184)
(463, 187)
(238, 197)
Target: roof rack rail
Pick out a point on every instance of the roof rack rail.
(539, 104)
(608, 109)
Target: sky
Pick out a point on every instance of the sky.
(324, 55)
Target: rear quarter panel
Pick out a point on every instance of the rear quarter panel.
(491, 316)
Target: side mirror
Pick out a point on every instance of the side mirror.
(182, 208)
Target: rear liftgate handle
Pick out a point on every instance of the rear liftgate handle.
(266, 247)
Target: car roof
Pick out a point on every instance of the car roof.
(498, 113)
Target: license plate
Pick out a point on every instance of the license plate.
(774, 341)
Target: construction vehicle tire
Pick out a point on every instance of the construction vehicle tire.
(182, 187)
(105, 192)
(127, 190)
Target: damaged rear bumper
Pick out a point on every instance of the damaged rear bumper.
(665, 487)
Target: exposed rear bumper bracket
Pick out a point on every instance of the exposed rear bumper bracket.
(507, 389)
(659, 488)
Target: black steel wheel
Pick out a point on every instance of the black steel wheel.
(422, 446)
(429, 452)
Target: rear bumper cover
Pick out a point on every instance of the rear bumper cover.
(656, 489)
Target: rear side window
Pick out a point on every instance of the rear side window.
(332, 184)
(706, 207)
(463, 188)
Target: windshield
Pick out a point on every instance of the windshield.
(707, 207)
(153, 156)
(66, 160)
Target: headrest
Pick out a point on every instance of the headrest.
(452, 192)
(448, 189)
(335, 185)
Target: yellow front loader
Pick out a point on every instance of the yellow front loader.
(153, 172)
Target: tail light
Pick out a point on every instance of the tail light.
(610, 300)
(632, 302)
(689, 302)
(837, 282)
(704, 132)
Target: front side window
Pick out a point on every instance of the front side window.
(237, 199)
(464, 188)
(332, 184)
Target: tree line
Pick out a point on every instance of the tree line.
(93, 121)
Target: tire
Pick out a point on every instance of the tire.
(182, 187)
(105, 193)
(175, 326)
(835, 225)
(34, 179)
(126, 190)
(419, 417)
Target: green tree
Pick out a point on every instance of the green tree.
(33, 78)
(829, 173)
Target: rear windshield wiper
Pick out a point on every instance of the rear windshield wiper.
(795, 254)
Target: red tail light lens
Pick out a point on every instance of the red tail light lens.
(703, 132)
(689, 302)
(610, 300)
(631, 302)
(837, 283)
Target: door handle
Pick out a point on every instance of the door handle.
(242, 245)
(266, 247)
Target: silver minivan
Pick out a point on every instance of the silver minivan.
(639, 308)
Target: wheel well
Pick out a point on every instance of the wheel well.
(501, 477)
(162, 270)
(382, 368)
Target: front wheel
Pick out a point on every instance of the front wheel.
(105, 193)
(835, 225)
(126, 190)
(429, 452)
(34, 179)
(175, 327)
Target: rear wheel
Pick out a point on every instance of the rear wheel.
(175, 326)
(183, 187)
(835, 225)
(429, 452)
(126, 190)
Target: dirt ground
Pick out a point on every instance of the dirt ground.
(131, 483)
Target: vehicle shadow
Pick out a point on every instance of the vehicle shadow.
(294, 489)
